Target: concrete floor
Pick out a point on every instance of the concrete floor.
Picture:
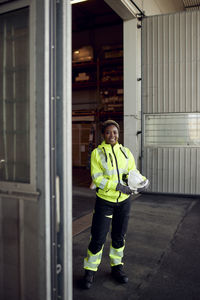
(162, 254)
(83, 201)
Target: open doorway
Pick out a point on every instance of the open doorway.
(97, 89)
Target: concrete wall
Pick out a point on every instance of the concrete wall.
(132, 87)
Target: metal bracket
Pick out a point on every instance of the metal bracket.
(58, 268)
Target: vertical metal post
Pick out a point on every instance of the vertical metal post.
(14, 106)
(67, 148)
(58, 153)
(4, 100)
(46, 148)
(53, 148)
(22, 249)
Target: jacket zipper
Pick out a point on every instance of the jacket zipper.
(111, 159)
(117, 171)
(105, 154)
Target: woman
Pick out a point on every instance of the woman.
(110, 164)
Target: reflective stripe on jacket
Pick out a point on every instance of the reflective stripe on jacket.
(108, 164)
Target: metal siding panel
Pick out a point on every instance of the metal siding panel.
(194, 63)
(182, 169)
(152, 169)
(145, 170)
(182, 62)
(193, 171)
(155, 64)
(155, 168)
(144, 66)
(177, 63)
(160, 59)
(171, 83)
(188, 62)
(187, 171)
(171, 64)
(160, 168)
(165, 169)
(176, 171)
(150, 68)
(166, 63)
(172, 56)
(170, 171)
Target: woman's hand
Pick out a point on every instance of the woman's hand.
(124, 189)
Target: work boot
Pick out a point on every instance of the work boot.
(118, 273)
(88, 279)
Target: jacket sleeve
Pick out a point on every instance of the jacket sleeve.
(131, 164)
(97, 173)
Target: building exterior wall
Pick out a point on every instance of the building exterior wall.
(170, 88)
(132, 70)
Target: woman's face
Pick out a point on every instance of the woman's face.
(111, 135)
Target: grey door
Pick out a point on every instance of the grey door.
(35, 150)
(19, 209)
(171, 102)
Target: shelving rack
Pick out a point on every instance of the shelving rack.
(105, 76)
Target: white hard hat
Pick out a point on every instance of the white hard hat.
(136, 180)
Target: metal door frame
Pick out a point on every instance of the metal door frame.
(59, 98)
(58, 153)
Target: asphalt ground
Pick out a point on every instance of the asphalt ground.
(162, 253)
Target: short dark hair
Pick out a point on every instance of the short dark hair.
(108, 123)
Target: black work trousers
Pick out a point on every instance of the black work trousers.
(105, 213)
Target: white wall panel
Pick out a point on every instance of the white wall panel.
(172, 170)
(171, 84)
(170, 63)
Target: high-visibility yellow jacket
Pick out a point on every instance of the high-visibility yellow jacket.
(108, 164)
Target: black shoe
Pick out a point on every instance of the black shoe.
(88, 279)
(118, 273)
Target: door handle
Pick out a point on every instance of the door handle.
(57, 203)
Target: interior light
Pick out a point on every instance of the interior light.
(76, 1)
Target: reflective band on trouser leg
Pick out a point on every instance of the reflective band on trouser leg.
(116, 256)
(92, 261)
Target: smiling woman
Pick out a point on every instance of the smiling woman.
(110, 164)
(110, 132)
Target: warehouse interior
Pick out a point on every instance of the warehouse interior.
(97, 79)
(98, 75)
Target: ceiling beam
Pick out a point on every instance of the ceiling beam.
(124, 8)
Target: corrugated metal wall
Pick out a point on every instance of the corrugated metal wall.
(171, 84)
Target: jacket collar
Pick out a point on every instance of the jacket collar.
(109, 146)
